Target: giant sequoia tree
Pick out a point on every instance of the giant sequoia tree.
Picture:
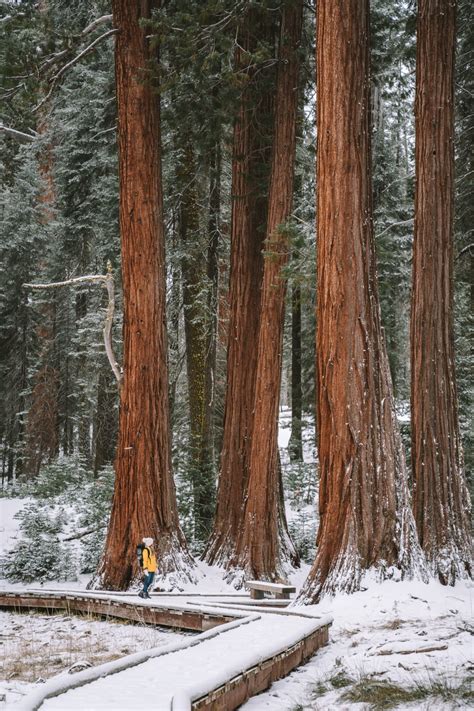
(263, 544)
(365, 513)
(144, 497)
(441, 499)
(250, 171)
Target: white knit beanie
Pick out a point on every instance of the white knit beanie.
(148, 541)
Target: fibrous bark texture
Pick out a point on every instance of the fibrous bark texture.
(250, 169)
(441, 499)
(365, 513)
(144, 502)
(262, 551)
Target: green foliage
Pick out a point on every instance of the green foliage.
(464, 220)
(393, 56)
(57, 513)
(302, 529)
(60, 476)
(40, 555)
(94, 512)
(300, 484)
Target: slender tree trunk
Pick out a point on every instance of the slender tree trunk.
(105, 421)
(295, 445)
(144, 502)
(441, 499)
(198, 333)
(42, 433)
(213, 235)
(42, 440)
(259, 550)
(366, 520)
(250, 169)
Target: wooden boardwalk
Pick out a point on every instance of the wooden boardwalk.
(244, 651)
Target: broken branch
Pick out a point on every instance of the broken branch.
(108, 281)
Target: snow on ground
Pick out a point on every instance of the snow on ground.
(8, 522)
(413, 635)
(407, 633)
(36, 646)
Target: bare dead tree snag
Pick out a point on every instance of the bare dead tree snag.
(107, 280)
(441, 498)
(365, 512)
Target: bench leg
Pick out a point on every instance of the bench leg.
(256, 594)
(282, 596)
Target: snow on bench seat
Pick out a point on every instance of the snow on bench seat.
(259, 587)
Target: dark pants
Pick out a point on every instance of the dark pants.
(149, 578)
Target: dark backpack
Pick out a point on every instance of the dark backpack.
(140, 548)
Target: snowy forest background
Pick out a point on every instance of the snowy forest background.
(59, 176)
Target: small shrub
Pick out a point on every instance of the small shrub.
(55, 478)
(303, 534)
(341, 680)
(386, 695)
(40, 555)
(94, 512)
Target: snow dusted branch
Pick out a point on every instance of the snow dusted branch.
(77, 58)
(467, 248)
(82, 534)
(106, 280)
(19, 135)
(96, 23)
(82, 54)
(395, 224)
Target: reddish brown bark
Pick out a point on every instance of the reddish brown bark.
(441, 499)
(260, 553)
(42, 422)
(365, 514)
(250, 168)
(144, 501)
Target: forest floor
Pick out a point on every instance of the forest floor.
(395, 645)
(400, 645)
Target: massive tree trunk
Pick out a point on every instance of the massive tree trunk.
(144, 502)
(366, 519)
(441, 499)
(250, 168)
(261, 551)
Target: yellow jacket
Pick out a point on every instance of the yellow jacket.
(149, 560)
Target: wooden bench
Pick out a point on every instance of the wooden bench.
(258, 588)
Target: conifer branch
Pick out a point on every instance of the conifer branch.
(54, 80)
(96, 23)
(19, 135)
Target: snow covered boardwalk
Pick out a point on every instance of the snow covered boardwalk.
(217, 669)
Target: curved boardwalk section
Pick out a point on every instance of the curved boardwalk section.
(240, 654)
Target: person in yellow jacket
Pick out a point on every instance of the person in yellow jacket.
(149, 566)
